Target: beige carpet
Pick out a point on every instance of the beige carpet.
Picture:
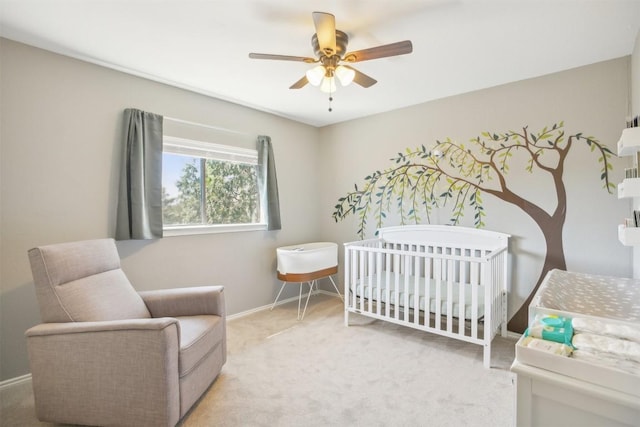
(317, 372)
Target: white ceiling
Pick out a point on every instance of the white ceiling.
(458, 45)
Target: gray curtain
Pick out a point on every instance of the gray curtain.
(140, 197)
(268, 183)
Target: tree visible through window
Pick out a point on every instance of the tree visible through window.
(209, 189)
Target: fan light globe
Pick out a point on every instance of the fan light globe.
(328, 85)
(345, 75)
(315, 75)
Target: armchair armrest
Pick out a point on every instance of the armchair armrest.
(45, 329)
(87, 369)
(191, 301)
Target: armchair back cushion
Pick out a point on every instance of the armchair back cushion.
(83, 282)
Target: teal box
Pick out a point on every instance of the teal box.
(552, 328)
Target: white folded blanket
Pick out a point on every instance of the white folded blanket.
(604, 359)
(616, 347)
(628, 332)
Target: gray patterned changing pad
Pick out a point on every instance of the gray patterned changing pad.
(601, 296)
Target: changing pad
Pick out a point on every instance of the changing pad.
(601, 296)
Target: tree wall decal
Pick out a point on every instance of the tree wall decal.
(458, 176)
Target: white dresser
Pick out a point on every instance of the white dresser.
(555, 390)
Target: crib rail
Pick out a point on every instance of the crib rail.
(457, 290)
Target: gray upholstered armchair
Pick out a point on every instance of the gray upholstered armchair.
(108, 355)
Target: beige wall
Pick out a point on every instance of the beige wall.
(590, 99)
(60, 129)
(635, 78)
(60, 149)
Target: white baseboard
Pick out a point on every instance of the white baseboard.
(284, 301)
(12, 382)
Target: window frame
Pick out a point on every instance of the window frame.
(218, 152)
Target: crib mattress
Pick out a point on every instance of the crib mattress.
(600, 296)
(364, 290)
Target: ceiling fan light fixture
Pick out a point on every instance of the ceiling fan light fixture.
(328, 85)
(345, 75)
(330, 47)
(315, 75)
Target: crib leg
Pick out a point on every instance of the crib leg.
(336, 288)
(503, 327)
(276, 300)
(487, 356)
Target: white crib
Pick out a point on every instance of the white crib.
(448, 280)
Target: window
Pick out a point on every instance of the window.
(209, 187)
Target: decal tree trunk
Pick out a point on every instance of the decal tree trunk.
(551, 227)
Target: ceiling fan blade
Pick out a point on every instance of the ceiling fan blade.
(300, 83)
(393, 49)
(281, 57)
(362, 79)
(325, 24)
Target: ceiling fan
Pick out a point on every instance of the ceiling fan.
(330, 48)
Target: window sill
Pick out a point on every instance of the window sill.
(188, 230)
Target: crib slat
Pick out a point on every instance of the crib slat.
(378, 272)
(416, 289)
(449, 302)
(387, 280)
(370, 280)
(438, 284)
(462, 301)
(495, 319)
(501, 282)
(354, 278)
(396, 285)
(353, 281)
(347, 284)
(362, 282)
(474, 299)
(405, 286)
(488, 310)
(427, 288)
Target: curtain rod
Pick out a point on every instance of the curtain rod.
(186, 122)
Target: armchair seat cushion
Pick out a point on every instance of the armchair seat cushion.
(199, 337)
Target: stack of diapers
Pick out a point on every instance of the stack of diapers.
(551, 334)
(613, 345)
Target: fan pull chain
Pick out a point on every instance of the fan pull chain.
(330, 99)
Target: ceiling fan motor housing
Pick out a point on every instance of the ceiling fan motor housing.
(341, 45)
